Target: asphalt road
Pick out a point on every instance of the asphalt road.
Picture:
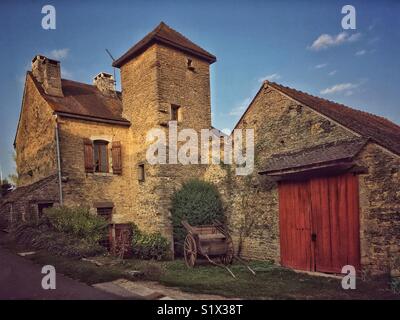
(20, 278)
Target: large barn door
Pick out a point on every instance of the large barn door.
(319, 223)
(295, 226)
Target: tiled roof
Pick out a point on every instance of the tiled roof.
(344, 150)
(26, 190)
(367, 125)
(166, 35)
(84, 100)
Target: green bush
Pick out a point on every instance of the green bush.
(149, 246)
(44, 236)
(77, 221)
(199, 203)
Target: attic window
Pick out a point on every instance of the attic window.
(190, 64)
(141, 173)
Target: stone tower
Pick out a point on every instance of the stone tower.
(164, 77)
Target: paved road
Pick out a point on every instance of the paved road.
(20, 278)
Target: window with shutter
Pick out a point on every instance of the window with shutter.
(100, 156)
(116, 157)
(88, 155)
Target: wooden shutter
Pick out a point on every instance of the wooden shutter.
(88, 155)
(116, 157)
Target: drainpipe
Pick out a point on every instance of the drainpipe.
(59, 161)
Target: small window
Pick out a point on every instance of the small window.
(100, 156)
(141, 173)
(42, 207)
(176, 113)
(190, 64)
(105, 213)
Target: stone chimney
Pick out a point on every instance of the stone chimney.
(105, 83)
(48, 73)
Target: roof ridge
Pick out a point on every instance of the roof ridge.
(165, 34)
(331, 101)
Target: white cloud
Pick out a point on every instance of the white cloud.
(325, 41)
(361, 52)
(320, 66)
(345, 88)
(270, 77)
(333, 72)
(59, 54)
(240, 108)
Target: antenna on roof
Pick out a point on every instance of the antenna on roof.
(115, 79)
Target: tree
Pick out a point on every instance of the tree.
(199, 203)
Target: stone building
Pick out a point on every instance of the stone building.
(324, 192)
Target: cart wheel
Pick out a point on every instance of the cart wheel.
(190, 251)
(228, 257)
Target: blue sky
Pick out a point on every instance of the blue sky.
(297, 43)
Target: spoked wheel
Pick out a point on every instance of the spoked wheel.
(190, 251)
(228, 257)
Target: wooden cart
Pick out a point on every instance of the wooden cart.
(212, 242)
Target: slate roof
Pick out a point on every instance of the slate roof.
(85, 100)
(24, 190)
(376, 128)
(168, 36)
(344, 150)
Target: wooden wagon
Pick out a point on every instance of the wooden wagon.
(212, 242)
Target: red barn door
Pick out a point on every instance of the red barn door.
(319, 223)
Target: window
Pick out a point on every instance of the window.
(96, 156)
(42, 206)
(190, 64)
(141, 173)
(176, 113)
(100, 156)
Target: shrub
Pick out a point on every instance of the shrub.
(43, 236)
(198, 202)
(149, 246)
(77, 221)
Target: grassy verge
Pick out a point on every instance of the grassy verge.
(271, 282)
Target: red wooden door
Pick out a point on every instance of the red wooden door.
(295, 225)
(328, 209)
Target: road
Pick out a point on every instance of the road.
(20, 278)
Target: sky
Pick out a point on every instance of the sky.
(300, 44)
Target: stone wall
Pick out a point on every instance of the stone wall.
(23, 205)
(81, 188)
(379, 209)
(151, 83)
(280, 125)
(35, 141)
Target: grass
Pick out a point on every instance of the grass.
(270, 282)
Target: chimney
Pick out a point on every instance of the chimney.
(48, 73)
(105, 83)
